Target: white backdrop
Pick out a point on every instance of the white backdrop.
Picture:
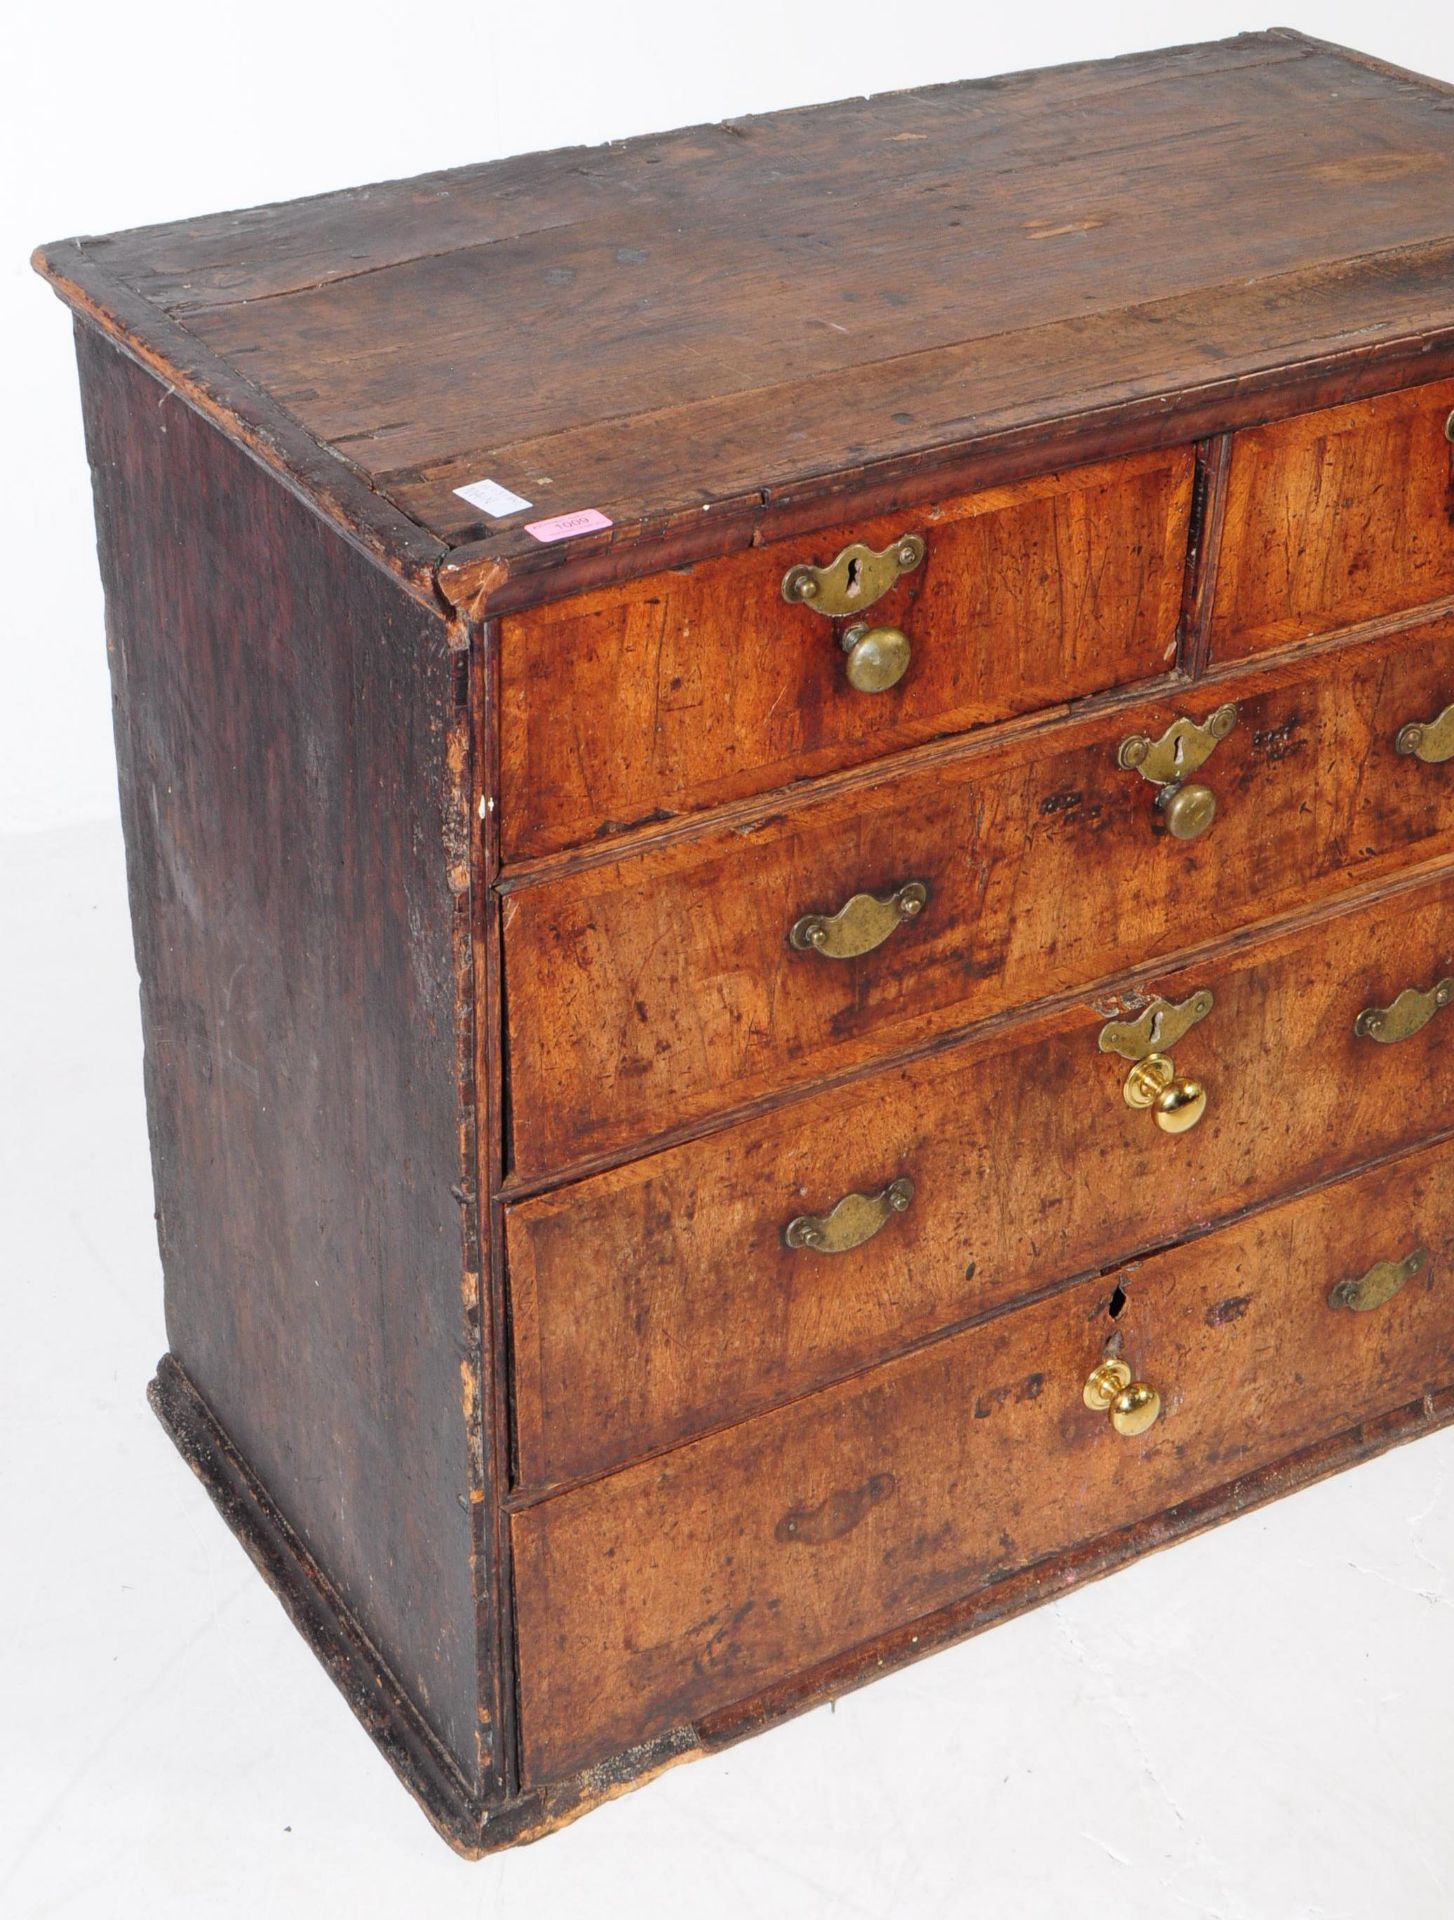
(1255, 1727)
(121, 116)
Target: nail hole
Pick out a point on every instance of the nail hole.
(1118, 1300)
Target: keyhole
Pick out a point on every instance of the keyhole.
(855, 568)
(1117, 1303)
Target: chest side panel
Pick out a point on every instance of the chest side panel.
(285, 717)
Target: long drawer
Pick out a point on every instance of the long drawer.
(685, 689)
(675, 1294)
(691, 1582)
(646, 992)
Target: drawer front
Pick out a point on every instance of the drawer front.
(647, 992)
(664, 1298)
(690, 688)
(1334, 518)
(688, 1584)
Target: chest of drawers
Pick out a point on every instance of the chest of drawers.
(790, 810)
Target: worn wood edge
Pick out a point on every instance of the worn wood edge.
(487, 583)
(1294, 36)
(496, 1621)
(475, 1830)
(471, 1826)
(314, 473)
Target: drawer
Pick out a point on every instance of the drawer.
(692, 1582)
(664, 1298)
(1335, 518)
(646, 992)
(704, 685)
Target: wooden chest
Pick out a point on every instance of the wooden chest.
(790, 805)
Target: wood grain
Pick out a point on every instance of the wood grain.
(1336, 517)
(690, 688)
(649, 991)
(1039, 261)
(658, 1300)
(287, 735)
(671, 1590)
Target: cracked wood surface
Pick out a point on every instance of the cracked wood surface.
(746, 319)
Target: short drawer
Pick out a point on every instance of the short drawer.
(693, 1582)
(675, 1294)
(648, 991)
(689, 688)
(1335, 518)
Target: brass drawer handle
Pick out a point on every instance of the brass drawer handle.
(860, 924)
(878, 657)
(1169, 762)
(1428, 740)
(856, 1218)
(1176, 1103)
(1381, 1282)
(1412, 1010)
(1132, 1404)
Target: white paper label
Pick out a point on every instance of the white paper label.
(493, 500)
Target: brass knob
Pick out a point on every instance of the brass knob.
(1187, 811)
(878, 657)
(1176, 1103)
(1133, 1405)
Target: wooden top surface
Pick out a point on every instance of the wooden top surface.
(706, 334)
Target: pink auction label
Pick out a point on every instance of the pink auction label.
(565, 525)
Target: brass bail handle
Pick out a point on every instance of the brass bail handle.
(1133, 1405)
(860, 924)
(856, 1218)
(877, 657)
(1382, 1281)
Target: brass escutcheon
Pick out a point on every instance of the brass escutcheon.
(1156, 1029)
(1133, 1405)
(1381, 1282)
(1412, 1010)
(851, 583)
(860, 924)
(856, 1218)
(1176, 1102)
(1431, 741)
(1169, 762)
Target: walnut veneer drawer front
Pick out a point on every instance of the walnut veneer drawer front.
(690, 688)
(1336, 517)
(678, 1587)
(650, 990)
(682, 1291)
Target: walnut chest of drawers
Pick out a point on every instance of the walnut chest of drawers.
(790, 810)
